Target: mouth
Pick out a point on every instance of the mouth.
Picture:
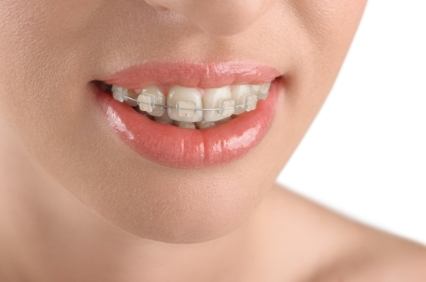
(190, 115)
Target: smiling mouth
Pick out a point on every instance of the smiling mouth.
(190, 107)
(190, 115)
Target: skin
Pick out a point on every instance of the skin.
(77, 205)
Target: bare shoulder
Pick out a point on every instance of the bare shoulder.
(353, 251)
(382, 258)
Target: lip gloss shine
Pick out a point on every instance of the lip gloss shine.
(190, 148)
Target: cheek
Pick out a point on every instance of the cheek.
(31, 50)
(331, 23)
(327, 30)
(329, 27)
(43, 50)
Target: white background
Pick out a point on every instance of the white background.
(365, 154)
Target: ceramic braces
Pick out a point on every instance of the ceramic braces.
(249, 105)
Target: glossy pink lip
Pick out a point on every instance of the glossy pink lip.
(188, 148)
(192, 75)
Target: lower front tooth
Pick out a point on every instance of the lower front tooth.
(183, 124)
(223, 120)
(164, 119)
(205, 124)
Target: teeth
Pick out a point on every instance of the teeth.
(122, 94)
(182, 103)
(184, 124)
(193, 107)
(223, 120)
(245, 98)
(164, 119)
(152, 101)
(131, 102)
(251, 102)
(218, 98)
(205, 124)
(262, 90)
(119, 93)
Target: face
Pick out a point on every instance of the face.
(52, 51)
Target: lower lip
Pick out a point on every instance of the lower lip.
(188, 148)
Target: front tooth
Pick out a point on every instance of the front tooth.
(262, 90)
(151, 100)
(205, 124)
(182, 103)
(245, 98)
(223, 121)
(220, 98)
(164, 119)
(119, 93)
(184, 124)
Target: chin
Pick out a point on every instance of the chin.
(185, 213)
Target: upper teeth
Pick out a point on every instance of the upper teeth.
(152, 101)
(186, 104)
(182, 103)
(119, 93)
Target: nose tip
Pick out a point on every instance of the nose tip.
(219, 17)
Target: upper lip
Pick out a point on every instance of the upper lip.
(192, 75)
